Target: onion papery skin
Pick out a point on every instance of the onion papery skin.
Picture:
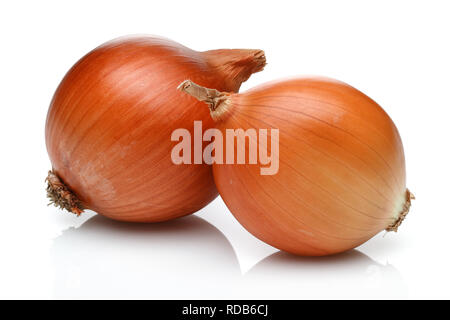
(109, 125)
(341, 177)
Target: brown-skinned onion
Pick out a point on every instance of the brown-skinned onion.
(341, 177)
(108, 129)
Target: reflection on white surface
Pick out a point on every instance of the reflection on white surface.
(190, 258)
(184, 258)
(348, 275)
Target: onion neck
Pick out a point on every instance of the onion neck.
(219, 103)
(236, 65)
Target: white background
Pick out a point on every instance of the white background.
(397, 52)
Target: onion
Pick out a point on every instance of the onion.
(109, 126)
(341, 175)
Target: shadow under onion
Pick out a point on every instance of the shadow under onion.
(351, 274)
(183, 258)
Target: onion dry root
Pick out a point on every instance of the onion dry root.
(408, 197)
(61, 196)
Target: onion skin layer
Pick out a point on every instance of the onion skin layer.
(108, 129)
(341, 177)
